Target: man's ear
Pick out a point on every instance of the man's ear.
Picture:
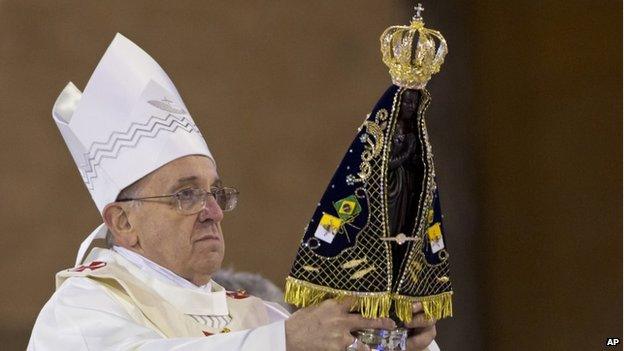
(116, 218)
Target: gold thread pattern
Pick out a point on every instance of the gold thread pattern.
(359, 274)
(354, 263)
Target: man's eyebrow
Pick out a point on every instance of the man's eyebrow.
(217, 182)
(186, 179)
(183, 181)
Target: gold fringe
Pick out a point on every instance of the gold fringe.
(371, 305)
(302, 294)
(435, 306)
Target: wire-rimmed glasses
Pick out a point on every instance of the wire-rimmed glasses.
(192, 200)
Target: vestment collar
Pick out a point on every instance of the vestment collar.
(158, 271)
(208, 300)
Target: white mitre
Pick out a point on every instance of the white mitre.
(129, 121)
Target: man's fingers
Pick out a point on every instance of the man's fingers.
(424, 329)
(362, 347)
(358, 346)
(417, 307)
(347, 303)
(357, 322)
(422, 338)
(420, 321)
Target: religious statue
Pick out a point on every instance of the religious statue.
(376, 233)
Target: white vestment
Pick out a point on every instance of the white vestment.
(88, 312)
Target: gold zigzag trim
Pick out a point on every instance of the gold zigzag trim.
(371, 305)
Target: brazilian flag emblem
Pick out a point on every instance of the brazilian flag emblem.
(347, 208)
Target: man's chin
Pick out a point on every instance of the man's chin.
(209, 266)
(208, 253)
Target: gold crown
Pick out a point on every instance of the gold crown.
(411, 52)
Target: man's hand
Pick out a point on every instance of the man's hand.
(328, 326)
(421, 331)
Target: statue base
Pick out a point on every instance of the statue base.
(383, 340)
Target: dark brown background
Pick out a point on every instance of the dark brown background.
(526, 124)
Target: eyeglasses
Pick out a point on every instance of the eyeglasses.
(192, 200)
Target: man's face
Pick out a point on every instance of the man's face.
(190, 245)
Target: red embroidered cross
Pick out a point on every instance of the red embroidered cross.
(240, 294)
(92, 266)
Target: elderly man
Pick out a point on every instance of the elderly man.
(156, 185)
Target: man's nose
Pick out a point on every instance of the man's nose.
(211, 210)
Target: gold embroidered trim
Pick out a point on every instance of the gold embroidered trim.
(372, 148)
(371, 305)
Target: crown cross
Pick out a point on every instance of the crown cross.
(419, 8)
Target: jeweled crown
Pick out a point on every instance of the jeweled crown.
(413, 53)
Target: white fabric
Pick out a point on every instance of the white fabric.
(192, 301)
(82, 316)
(274, 310)
(98, 233)
(158, 271)
(433, 346)
(129, 121)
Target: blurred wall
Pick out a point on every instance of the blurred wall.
(548, 115)
(525, 122)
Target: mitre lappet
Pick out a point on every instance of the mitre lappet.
(129, 121)
(376, 233)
